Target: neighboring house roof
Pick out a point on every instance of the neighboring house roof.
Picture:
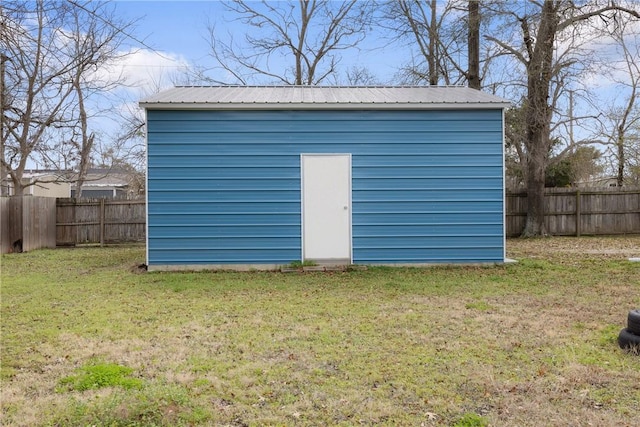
(607, 181)
(60, 175)
(322, 97)
(94, 178)
(106, 178)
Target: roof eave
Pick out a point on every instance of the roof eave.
(323, 106)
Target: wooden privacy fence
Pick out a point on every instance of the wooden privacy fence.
(100, 221)
(27, 223)
(573, 212)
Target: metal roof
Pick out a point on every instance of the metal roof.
(322, 97)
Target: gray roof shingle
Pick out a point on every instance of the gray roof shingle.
(322, 97)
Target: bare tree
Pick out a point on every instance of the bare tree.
(310, 35)
(84, 40)
(542, 24)
(444, 38)
(52, 50)
(361, 76)
(4, 187)
(619, 125)
(421, 24)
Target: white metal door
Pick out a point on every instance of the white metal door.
(326, 208)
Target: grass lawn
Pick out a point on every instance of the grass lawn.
(86, 340)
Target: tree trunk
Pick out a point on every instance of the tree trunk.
(18, 189)
(473, 76)
(304, 18)
(85, 159)
(538, 114)
(535, 225)
(16, 177)
(433, 43)
(621, 159)
(86, 143)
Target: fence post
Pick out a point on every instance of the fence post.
(102, 222)
(74, 232)
(578, 214)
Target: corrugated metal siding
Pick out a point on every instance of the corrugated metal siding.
(224, 186)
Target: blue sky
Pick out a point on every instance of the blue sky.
(172, 26)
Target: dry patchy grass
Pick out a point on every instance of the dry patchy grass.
(528, 344)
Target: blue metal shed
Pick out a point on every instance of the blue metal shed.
(257, 177)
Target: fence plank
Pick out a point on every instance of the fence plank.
(102, 222)
(5, 239)
(578, 213)
(27, 223)
(39, 223)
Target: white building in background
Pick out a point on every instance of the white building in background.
(98, 184)
(104, 183)
(603, 182)
(43, 183)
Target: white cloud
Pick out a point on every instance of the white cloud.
(143, 71)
